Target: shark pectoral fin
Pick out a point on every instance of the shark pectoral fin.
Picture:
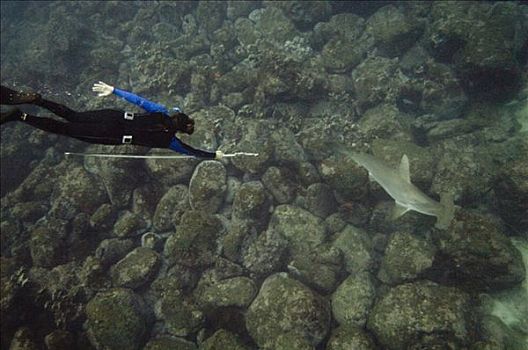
(398, 210)
(404, 168)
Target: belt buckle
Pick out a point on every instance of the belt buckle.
(129, 115)
(127, 139)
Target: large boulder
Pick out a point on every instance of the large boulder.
(136, 269)
(77, 191)
(511, 191)
(420, 313)
(393, 30)
(352, 300)
(406, 257)
(208, 186)
(116, 320)
(194, 242)
(119, 176)
(350, 337)
(284, 306)
(171, 207)
(303, 230)
(477, 255)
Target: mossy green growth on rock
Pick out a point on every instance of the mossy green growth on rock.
(194, 242)
(116, 320)
(286, 306)
(407, 312)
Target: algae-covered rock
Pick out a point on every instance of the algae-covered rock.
(171, 207)
(255, 139)
(250, 201)
(387, 122)
(439, 93)
(345, 177)
(223, 339)
(47, 243)
(284, 306)
(210, 15)
(59, 339)
(23, 339)
(115, 320)
(319, 269)
(208, 186)
(279, 183)
(112, 250)
(393, 30)
(406, 257)
(194, 242)
(272, 23)
(353, 299)
(484, 54)
(236, 291)
(477, 255)
(291, 341)
(406, 313)
(239, 234)
(305, 14)
(303, 230)
(347, 337)
(181, 316)
(511, 190)
(169, 343)
(104, 217)
(339, 56)
(129, 225)
(136, 269)
(463, 169)
(76, 191)
(357, 248)
(377, 79)
(173, 172)
(286, 147)
(320, 200)
(345, 25)
(29, 211)
(265, 254)
(119, 176)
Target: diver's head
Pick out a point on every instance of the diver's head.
(184, 123)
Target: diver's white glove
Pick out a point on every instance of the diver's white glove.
(219, 155)
(102, 89)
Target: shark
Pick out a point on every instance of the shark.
(397, 183)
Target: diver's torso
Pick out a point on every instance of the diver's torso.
(150, 129)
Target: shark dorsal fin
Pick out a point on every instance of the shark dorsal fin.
(404, 168)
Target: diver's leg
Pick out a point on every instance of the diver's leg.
(45, 124)
(11, 97)
(57, 108)
(105, 134)
(96, 116)
(11, 115)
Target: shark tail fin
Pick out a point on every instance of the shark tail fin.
(447, 213)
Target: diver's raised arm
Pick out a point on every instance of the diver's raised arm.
(104, 89)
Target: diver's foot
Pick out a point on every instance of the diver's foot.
(12, 97)
(11, 115)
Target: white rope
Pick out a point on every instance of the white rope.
(105, 155)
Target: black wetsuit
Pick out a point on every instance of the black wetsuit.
(154, 129)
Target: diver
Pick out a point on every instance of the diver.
(156, 128)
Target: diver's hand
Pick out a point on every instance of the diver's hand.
(102, 89)
(219, 155)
